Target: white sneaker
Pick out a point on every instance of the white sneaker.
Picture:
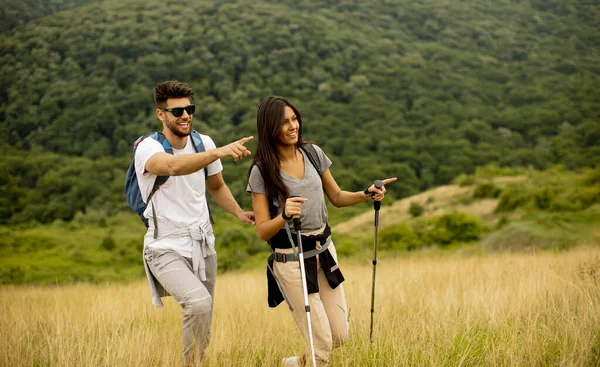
(290, 362)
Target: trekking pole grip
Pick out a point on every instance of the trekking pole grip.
(297, 224)
(378, 184)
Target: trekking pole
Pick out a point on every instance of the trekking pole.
(305, 289)
(376, 205)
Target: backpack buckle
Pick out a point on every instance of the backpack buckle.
(280, 258)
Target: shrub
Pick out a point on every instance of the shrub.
(108, 243)
(502, 222)
(464, 180)
(415, 209)
(449, 228)
(399, 237)
(466, 200)
(582, 198)
(543, 198)
(525, 236)
(591, 176)
(487, 190)
(348, 245)
(513, 197)
(231, 258)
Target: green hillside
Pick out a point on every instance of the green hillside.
(555, 210)
(14, 13)
(421, 90)
(497, 209)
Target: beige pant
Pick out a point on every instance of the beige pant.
(328, 311)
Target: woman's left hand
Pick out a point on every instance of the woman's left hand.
(380, 193)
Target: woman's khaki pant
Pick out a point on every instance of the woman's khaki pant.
(328, 311)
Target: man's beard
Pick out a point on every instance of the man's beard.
(174, 129)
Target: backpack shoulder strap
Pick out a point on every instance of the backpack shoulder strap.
(311, 153)
(159, 179)
(198, 143)
(199, 146)
(273, 211)
(162, 139)
(140, 139)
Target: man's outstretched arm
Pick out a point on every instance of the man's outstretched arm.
(164, 164)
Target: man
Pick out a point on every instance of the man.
(180, 257)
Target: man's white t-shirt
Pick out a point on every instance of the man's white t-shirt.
(181, 200)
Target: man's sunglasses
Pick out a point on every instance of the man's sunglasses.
(178, 111)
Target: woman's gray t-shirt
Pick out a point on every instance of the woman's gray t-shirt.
(314, 211)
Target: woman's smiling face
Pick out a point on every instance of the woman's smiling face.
(288, 134)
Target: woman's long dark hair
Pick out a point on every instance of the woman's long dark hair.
(269, 120)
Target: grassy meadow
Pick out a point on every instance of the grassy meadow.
(511, 309)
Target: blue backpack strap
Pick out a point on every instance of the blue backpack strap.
(159, 179)
(199, 146)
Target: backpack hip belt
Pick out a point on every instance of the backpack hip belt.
(283, 258)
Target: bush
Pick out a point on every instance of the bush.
(241, 238)
(513, 197)
(108, 243)
(349, 245)
(582, 198)
(415, 209)
(525, 236)
(487, 190)
(236, 245)
(231, 258)
(502, 222)
(399, 237)
(464, 180)
(543, 198)
(449, 228)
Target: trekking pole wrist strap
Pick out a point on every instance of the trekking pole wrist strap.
(284, 216)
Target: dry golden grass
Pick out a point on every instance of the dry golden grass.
(505, 309)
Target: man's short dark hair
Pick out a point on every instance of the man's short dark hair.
(171, 89)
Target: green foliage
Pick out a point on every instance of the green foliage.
(236, 246)
(47, 187)
(546, 230)
(464, 180)
(421, 92)
(401, 237)
(486, 190)
(415, 209)
(512, 197)
(444, 230)
(449, 228)
(554, 190)
(484, 174)
(108, 243)
(16, 13)
(503, 221)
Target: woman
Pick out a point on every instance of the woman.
(287, 180)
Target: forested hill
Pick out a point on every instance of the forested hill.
(14, 13)
(423, 90)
